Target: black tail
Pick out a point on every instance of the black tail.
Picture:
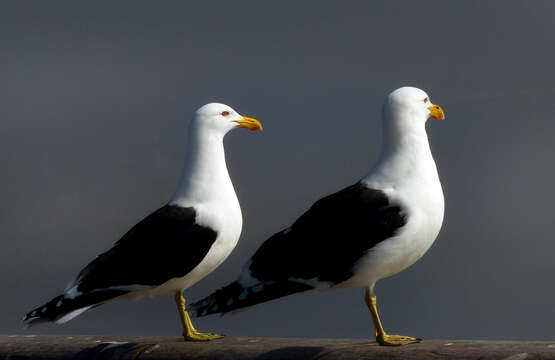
(63, 308)
(235, 296)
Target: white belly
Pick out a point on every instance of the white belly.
(219, 251)
(230, 222)
(401, 251)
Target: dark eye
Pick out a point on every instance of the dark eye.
(225, 113)
(425, 100)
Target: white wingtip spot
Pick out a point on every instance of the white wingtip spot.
(27, 321)
(72, 293)
(59, 303)
(72, 314)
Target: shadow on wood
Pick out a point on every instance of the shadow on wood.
(104, 347)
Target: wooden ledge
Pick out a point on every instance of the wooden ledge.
(229, 348)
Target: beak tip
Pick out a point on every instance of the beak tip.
(249, 123)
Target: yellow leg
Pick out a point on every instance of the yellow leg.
(189, 331)
(381, 337)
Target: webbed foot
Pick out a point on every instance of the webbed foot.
(198, 336)
(396, 340)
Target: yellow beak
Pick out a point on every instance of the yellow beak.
(436, 112)
(249, 123)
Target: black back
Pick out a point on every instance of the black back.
(166, 244)
(327, 240)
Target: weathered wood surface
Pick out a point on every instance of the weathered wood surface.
(102, 347)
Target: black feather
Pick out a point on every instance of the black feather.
(166, 244)
(234, 296)
(61, 306)
(323, 245)
(327, 241)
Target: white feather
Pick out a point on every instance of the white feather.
(206, 186)
(72, 314)
(407, 173)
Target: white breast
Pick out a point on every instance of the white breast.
(412, 183)
(226, 218)
(207, 187)
(423, 202)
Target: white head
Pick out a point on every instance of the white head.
(205, 175)
(408, 108)
(220, 119)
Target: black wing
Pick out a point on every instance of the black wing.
(166, 244)
(327, 240)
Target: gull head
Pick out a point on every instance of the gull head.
(220, 118)
(410, 106)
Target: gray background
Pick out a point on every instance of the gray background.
(95, 100)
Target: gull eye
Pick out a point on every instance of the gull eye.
(225, 113)
(425, 100)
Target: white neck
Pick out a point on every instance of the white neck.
(405, 155)
(205, 177)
